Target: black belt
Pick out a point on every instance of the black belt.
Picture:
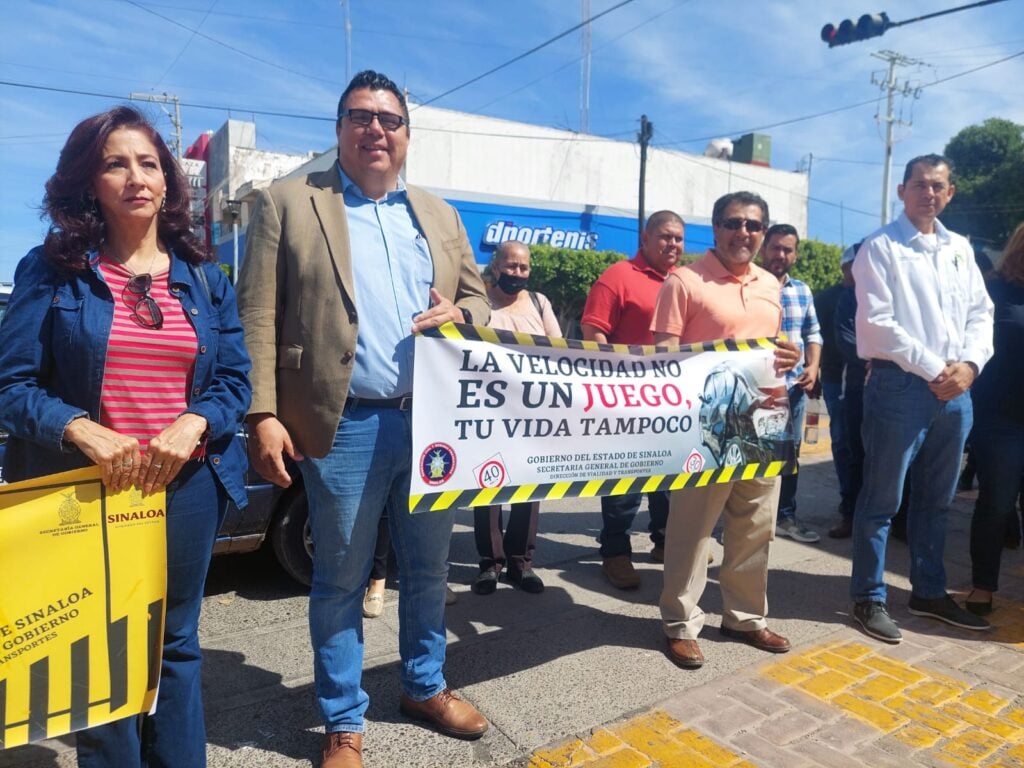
(403, 403)
(876, 363)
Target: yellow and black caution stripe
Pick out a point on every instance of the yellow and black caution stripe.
(581, 489)
(458, 331)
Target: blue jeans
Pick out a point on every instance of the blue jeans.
(906, 427)
(832, 394)
(617, 515)
(175, 735)
(367, 471)
(787, 490)
(999, 451)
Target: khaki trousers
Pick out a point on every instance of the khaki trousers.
(749, 507)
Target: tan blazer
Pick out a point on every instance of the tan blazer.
(296, 298)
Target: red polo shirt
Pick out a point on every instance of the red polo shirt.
(621, 303)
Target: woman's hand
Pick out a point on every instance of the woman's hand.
(169, 450)
(116, 454)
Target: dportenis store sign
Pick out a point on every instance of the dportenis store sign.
(502, 231)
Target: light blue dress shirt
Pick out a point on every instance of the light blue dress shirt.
(393, 274)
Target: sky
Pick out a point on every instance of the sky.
(698, 69)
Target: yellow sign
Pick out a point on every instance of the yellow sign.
(82, 601)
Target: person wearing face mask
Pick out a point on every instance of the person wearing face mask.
(513, 308)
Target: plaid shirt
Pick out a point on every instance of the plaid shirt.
(799, 321)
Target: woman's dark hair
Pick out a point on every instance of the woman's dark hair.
(76, 221)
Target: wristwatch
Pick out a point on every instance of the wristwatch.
(467, 316)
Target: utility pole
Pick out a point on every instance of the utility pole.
(644, 137)
(585, 68)
(165, 98)
(348, 40)
(891, 86)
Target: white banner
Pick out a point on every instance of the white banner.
(501, 416)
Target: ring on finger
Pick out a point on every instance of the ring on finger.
(158, 466)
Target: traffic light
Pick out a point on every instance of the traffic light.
(867, 26)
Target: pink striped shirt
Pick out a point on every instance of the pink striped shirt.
(148, 370)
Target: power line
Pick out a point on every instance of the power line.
(215, 41)
(318, 118)
(331, 119)
(522, 56)
(842, 109)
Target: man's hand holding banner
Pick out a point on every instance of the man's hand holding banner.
(504, 417)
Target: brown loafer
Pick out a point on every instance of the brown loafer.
(620, 572)
(762, 639)
(685, 653)
(448, 713)
(343, 750)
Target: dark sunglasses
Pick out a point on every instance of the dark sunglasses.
(364, 117)
(752, 225)
(145, 311)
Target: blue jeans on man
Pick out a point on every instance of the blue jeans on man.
(906, 427)
(617, 515)
(787, 491)
(367, 470)
(832, 394)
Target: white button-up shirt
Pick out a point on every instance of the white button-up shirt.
(921, 301)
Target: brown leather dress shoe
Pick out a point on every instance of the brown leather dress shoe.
(620, 572)
(448, 713)
(762, 639)
(685, 653)
(343, 750)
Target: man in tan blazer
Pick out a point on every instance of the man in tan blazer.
(341, 268)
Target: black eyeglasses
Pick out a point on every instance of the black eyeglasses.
(364, 117)
(752, 225)
(145, 311)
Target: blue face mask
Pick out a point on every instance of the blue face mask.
(511, 284)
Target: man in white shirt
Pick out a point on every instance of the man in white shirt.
(924, 321)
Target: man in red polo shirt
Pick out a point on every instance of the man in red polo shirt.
(619, 311)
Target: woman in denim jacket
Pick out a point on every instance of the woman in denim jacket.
(122, 347)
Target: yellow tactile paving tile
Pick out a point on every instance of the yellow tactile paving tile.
(946, 720)
(651, 739)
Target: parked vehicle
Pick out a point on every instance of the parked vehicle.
(743, 424)
(278, 514)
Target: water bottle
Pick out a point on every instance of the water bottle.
(811, 421)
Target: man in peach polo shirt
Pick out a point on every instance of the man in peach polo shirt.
(722, 295)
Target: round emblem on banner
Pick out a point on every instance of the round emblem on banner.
(491, 474)
(437, 464)
(694, 462)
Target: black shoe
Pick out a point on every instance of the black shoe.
(485, 583)
(874, 619)
(945, 609)
(843, 529)
(527, 580)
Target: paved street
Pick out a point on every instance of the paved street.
(577, 676)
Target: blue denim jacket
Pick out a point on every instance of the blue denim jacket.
(53, 348)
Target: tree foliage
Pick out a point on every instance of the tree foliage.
(989, 177)
(565, 275)
(817, 264)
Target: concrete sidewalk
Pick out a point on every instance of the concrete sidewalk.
(578, 675)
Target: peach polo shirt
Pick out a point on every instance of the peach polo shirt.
(704, 301)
